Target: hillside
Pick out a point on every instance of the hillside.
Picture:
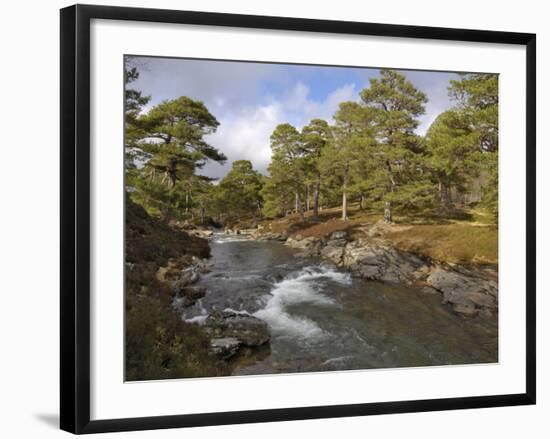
(159, 344)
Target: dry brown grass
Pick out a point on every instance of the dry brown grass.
(456, 243)
(466, 236)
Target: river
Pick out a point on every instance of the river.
(321, 318)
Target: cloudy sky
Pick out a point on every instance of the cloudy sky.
(250, 99)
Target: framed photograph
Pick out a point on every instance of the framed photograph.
(268, 219)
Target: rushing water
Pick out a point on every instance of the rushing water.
(323, 319)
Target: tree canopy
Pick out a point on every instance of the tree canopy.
(369, 153)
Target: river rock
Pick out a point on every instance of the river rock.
(339, 234)
(337, 242)
(296, 242)
(360, 253)
(187, 296)
(371, 272)
(249, 330)
(465, 310)
(469, 291)
(225, 347)
(382, 263)
(464, 291)
(421, 273)
(181, 272)
(310, 246)
(334, 251)
(186, 277)
(270, 236)
(201, 233)
(334, 247)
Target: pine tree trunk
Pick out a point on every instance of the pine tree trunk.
(316, 197)
(387, 205)
(387, 212)
(259, 214)
(442, 193)
(307, 198)
(361, 201)
(345, 196)
(344, 205)
(296, 201)
(299, 204)
(444, 197)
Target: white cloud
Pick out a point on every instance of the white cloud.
(327, 108)
(244, 133)
(245, 136)
(297, 97)
(250, 99)
(217, 83)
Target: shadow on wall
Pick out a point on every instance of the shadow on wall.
(49, 419)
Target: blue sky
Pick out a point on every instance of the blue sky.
(250, 99)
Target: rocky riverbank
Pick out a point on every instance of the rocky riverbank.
(230, 333)
(235, 333)
(163, 263)
(470, 291)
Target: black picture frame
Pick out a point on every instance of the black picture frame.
(75, 217)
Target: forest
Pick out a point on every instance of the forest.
(363, 191)
(369, 154)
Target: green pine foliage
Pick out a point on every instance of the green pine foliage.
(172, 149)
(476, 97)
(370, 154)
(239, 191)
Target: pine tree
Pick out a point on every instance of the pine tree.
(315, 136)
(476, 96)
(451, 154)
(134, 101)
(240, 190)
(348, 151)
(174, 148)
(400, 178)
(288, 165)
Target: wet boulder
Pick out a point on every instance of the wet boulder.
(359, 254)
(466, 292)
(225, 347)
(229, 326)
(201, 233)
(270, 236)
(187, 296)
(181, 272)
(379, 262)
(339, 234)
(309, 246)
(188, 276)
(333, 251)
